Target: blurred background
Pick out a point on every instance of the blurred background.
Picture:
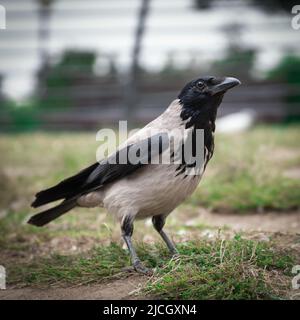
(71, 64)
(69, 68)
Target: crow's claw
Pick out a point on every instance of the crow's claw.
(140, 268)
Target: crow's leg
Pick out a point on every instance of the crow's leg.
(127, 230)
(158, 223)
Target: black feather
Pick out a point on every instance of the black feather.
(46, 216)
(64, 188)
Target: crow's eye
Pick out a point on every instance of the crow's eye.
(200, 84)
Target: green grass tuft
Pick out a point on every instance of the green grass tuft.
(235, 269)
(96, 265)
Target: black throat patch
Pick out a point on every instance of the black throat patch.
(203, 117)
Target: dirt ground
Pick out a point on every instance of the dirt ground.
(267, 222)
(285, 226)
(120, 289)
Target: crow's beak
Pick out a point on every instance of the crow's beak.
(225, 85)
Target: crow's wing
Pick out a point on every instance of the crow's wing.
(117, 166)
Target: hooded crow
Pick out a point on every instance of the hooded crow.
(144, 188)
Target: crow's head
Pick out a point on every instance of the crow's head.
(200, 98)
(206, 90)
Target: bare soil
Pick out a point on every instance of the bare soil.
(287, 222)
(120, 289)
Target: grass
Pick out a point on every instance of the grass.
(99, 263)
(235, 269)
(249, 172)
(222, 269)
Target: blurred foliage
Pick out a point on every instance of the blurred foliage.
(73, 67)
(288, 71)
(23, 116)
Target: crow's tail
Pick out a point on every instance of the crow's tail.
(46, 216)
(67, 188)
